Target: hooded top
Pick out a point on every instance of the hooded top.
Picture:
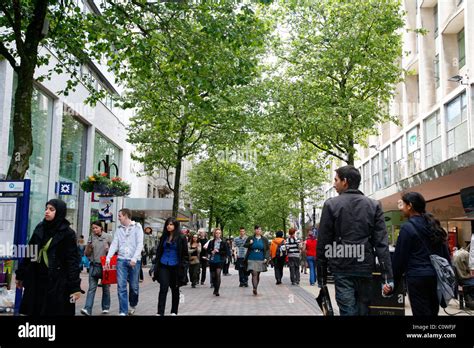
(50, 227)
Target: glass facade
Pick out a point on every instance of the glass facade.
(366, 176)
(38, 172)
(102, 148)
(71, 165)
(432, 140)
(398, 160)
(456, 126)
(413, 150)
(375, 174)
(386, 166)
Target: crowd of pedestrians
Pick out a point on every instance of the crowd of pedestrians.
(179, 257)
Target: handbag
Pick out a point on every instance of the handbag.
(109, 276)
(96, 271)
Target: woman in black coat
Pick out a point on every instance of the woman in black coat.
(170, 265)
(218, 251)
(51, 282)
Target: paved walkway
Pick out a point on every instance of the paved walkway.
(283, 299)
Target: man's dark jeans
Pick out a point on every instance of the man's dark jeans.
(278, 264)
(243, 275)
(353, 293)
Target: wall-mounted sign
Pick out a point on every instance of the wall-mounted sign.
(12, 186)
(105, 208)
(64, 188)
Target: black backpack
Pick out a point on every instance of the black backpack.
(281, 249)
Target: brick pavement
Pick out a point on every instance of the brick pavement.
(279, 300)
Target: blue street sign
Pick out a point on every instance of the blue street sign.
(64, 188)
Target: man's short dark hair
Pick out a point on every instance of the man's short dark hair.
(256, 227)
(242, 228)
(127, 212)
(351, 174)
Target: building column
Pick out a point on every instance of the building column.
(89, 170)
(6, 94)
(55, 157)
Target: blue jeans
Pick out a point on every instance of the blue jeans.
(353, 293)
(125, 273)
(312, 269)
(91, 293)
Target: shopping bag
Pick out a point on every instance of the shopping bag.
(109, 276)
(324, 302)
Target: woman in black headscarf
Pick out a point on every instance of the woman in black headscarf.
(52, 281)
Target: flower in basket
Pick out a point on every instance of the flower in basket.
(96, 183)
(118, 187)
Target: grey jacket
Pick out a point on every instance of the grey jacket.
(352, 233)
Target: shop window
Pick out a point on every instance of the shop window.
(432, 140)
(456, 125)
(413, 150)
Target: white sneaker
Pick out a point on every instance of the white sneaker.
(105, 311)
(174, 314)
(131, 310)
(85, 312)
(122, 314)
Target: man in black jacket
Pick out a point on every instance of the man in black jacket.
(352, 233)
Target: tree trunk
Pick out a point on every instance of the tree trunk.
(284, 227)
(176, 188)
(211, 217)
(351, 152)
(303, 230)
(22, 132)
(177, 178)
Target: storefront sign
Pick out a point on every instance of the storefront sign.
(105, 208)
(64, 188)
(12, 186)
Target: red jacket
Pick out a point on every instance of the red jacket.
(311, 247)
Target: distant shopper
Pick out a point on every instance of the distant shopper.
(461, 262)
(310, 249)
(128, 242)
(194, 250)
(258, 255)
(419, 237)
(218, 251)
(51, 282)
(239, 243)
(98, 246)
(203, 257)
(293, 245)
(170, 265)
(278, 255)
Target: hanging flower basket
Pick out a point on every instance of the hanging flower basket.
(99, 183)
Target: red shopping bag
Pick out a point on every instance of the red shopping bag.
(109, 276)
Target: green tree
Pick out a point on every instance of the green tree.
(338, 69)
(183, 65)
(217, 189)
(26, 27)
